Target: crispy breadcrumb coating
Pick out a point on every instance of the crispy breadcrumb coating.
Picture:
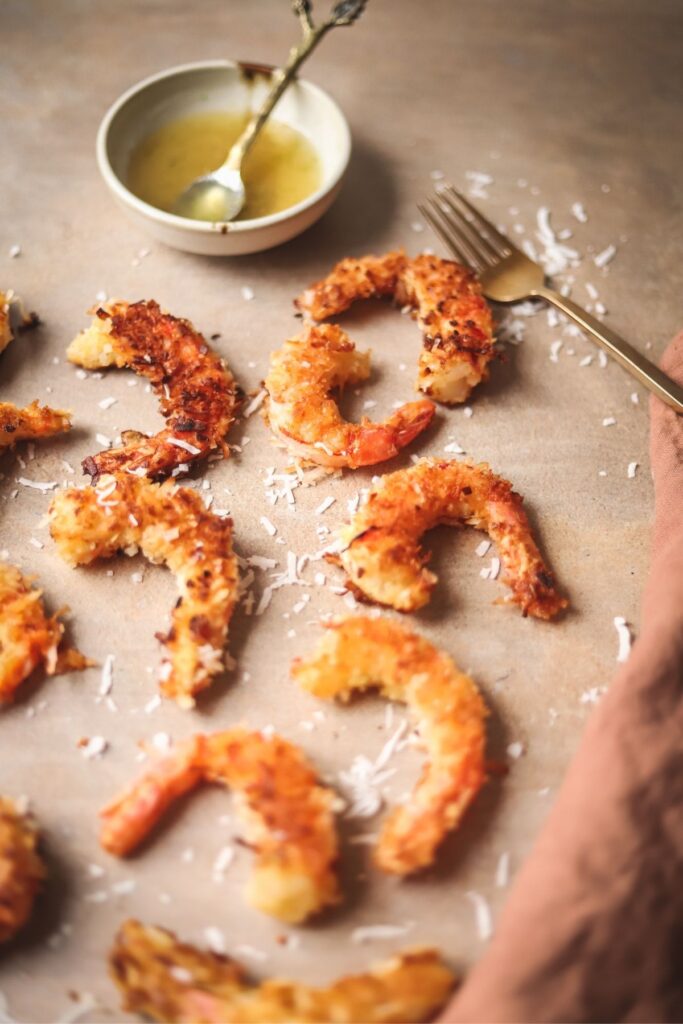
(288, 814)
(445, 298)
(28, 638)
(199, 397)
(302, 412)
(168, 524)
(381, 546)
(172, 982)
(31, 423)
(21, 869)
(359, 653)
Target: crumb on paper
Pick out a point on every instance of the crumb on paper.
(624, 634)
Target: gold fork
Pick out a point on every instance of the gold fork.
(507, 275)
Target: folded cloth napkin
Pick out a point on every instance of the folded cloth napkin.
(593, 927)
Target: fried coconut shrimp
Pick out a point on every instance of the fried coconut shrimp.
(287, 813)
(446, 300)
(359, 653)
(28, 638)
(21, 869)
(302, 412)
(32, 423)
(170, 981)
(168, 524)
(380, 548)
(199, 397)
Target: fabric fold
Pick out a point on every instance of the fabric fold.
(593, 927)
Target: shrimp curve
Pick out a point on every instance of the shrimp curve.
(28, 638)
(21, 869)
(199, 397)
(168, 524)
(445, 298)
(288, 815)
(302, 412)
(173, 982)
(358, 653)
(380, 548)
(31, 423)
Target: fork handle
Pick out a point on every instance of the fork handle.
(637, 365)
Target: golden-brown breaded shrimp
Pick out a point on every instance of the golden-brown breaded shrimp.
(444, 296)
(381, 546)
(360, 652)
(32, 423)
(288, 815)
(199, 397)
(169, 524)
(170, 981)
(302, 412)
(5, 324)
(21, 869)
(28, 638)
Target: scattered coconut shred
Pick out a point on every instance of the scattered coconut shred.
(362, 781)
(624, 634)
(482, 914)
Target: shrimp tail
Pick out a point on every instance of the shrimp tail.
(376, 442)
(128, 819)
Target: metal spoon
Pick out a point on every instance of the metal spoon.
(220, 195)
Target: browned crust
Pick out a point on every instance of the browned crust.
(445, 298)
(287, 811)
(28, 637)
(198, 396)
(31, 423)
(382, 541)
(170, 524)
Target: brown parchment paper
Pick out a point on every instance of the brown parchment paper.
(557, 105)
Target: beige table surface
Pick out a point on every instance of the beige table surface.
(559, 103)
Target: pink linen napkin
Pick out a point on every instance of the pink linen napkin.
(593, 927)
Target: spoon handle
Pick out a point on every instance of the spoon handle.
(345, 13)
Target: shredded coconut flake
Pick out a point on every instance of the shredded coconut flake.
(268, 526)
(605, 257)
(107, 679)
(503, 870)
(324, 505)
(256, 403)
(37, 485)
(482, 914)
(380, 932)
(515, 750)
(178, 442)
(95, 747)
(624, 634)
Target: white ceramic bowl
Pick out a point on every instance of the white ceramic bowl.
(221, 86)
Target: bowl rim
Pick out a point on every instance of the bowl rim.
(187, 224)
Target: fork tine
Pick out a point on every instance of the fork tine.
(479, 241)
(445, 237)
(457, 221)
(452, 236)
(481, 224)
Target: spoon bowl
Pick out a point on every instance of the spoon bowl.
(219, 196)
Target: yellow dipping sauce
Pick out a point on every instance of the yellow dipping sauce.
(280, 169)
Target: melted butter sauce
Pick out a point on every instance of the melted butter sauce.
(281, 169)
